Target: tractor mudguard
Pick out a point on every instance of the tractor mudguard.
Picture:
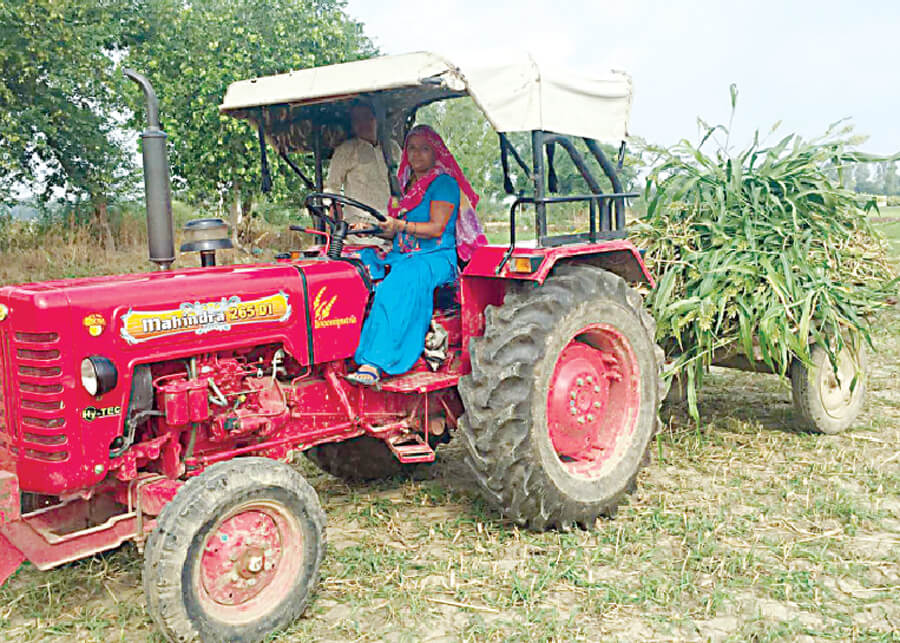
(618, 256)
(483, 281)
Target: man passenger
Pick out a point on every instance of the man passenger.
(357, 170)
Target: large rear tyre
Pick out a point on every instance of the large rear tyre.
(828, 402)
(563, 398)
(236, 554)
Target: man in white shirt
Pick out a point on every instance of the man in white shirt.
(358, 170)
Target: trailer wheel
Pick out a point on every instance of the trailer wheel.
(563, 398)
(236, 554)
(829, 403)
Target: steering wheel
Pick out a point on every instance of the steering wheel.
(316, 206)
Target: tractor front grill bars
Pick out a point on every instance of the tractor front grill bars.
(40, 391)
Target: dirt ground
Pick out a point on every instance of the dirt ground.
(742, 528)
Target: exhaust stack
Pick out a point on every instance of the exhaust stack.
(157, 190)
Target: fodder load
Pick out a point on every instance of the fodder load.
(759, 253)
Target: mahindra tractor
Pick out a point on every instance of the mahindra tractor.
(164, 408)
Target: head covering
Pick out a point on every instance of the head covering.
(469, 233)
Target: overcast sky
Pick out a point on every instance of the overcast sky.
(806, 63)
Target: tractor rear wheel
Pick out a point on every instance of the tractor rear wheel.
(236, 554)
(829, 402)
(563, 398)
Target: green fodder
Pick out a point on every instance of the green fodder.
(760, 253)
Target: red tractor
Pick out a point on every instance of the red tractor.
(162, 408)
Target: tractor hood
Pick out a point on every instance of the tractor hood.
(313, 308)
(166, 313)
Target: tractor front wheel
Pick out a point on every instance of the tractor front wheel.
(562, 400)
(236, 554)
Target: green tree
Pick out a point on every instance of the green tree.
(192, 51)
(862, 178)
(59, 98)
(887, 180)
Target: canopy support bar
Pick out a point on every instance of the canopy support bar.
(613, 177)
(507, 148)
(306, 180)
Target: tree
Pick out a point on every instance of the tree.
(862, 176)
(192, 51)
(887, 180)
(59, 98)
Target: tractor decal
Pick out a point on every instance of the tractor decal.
(322, 306)
(200, 318)
(91, 413)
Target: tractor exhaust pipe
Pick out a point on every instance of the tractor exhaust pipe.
(157, 190)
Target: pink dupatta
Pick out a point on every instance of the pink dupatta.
(469, 233)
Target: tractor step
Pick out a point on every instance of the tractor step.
(410, 448)
(419, 382)
(46, 548)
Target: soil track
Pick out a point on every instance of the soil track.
(741, 529)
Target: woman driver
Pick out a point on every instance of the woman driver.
(426, 228)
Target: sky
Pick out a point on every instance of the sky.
(804, 63)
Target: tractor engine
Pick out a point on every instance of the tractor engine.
(228, 397)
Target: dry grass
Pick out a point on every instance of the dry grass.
(741, 529)
(63, 252)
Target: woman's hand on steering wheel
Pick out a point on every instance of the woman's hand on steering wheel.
(389, 226)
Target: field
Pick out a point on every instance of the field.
(741, 529)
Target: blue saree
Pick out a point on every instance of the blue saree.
(393, 334)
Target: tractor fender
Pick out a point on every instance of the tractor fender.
(484, 280)
(618, 256)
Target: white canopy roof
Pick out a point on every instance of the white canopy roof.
(519, 96)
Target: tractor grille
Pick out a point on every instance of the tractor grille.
(40, 391)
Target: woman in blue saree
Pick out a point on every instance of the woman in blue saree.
(429, 235)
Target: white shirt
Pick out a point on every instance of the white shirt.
(357, 170)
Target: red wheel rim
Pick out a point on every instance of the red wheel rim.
(594, 400)
(249, 562)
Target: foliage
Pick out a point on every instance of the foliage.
(192, 51)
(759, 253)
(59, 97)
(875, 178)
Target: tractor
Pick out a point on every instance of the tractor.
(164, 408)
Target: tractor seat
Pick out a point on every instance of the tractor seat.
(446, 297)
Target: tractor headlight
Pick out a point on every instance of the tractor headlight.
(98, 375)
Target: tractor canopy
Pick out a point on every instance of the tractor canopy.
(515, 97)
